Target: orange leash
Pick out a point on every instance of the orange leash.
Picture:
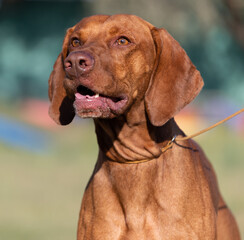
(174, 139)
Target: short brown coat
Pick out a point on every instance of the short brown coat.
(174, 195)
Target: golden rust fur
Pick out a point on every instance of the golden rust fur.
(143, 78)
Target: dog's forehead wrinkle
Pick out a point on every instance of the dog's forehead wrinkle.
(90, 32)
(113, 30)
(88, 29)
(124, 27)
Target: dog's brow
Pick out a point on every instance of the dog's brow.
(89, 31)
(113, 30)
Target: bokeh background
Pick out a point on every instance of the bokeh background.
(44, 168)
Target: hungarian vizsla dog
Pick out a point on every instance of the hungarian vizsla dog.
(132, 79)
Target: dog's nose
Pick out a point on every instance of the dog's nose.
(79, 63)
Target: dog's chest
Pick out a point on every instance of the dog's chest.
(142, 204)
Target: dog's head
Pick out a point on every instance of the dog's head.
(108, 63)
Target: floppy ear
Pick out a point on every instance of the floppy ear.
(175, 81)
(61, 108)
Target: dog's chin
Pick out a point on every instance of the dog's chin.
(98, 106)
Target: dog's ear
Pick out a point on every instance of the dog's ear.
(61, 109)
(175, 81)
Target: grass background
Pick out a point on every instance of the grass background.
(40, 193)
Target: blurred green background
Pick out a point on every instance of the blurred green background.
(44, 168)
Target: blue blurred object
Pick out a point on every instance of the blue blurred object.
(21, 135)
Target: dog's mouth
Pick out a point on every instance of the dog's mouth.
(91, 104)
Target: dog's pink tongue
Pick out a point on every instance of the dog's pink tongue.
(79, 96)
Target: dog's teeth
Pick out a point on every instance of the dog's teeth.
(97, 95)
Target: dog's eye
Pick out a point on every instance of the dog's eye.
(75, 42)
(123, 41)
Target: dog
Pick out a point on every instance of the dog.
(132, 79)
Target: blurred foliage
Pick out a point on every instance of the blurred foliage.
(31, 39)
(32, 34)
(40, 194)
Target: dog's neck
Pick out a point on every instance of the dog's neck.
(122, 141)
